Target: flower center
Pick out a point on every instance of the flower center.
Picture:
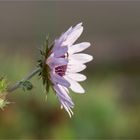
(60, 70)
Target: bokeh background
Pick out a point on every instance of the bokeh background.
(111, 106)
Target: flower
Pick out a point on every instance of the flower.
(65, 62)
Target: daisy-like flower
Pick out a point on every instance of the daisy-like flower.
(65, 62)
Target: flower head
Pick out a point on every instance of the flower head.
(64, 62)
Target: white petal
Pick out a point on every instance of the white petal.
(56, 79)
(76, 76)
(64, 92)
(67, 108)
(75, 68)
(67, 32)
(65, 102)
(74, 62)
(64, 99)
(73, 35)
(75, 86)
(62, 95)
(64, 35)
(81, 58)
(58, 42)
(78, 47)
(69, 37)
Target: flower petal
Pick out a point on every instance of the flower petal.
(78, 47)
(53, 62)
(81, 58)
(60, 52)
(65, 34)
(67, 108)
(56, 79)
(75, 86)
(66, 102)
(73, 35)
(76, 76)
(63, 95)
(75, 68)
(58, 42)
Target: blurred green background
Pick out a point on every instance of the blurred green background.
(111, 106)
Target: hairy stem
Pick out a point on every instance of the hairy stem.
(28, 77)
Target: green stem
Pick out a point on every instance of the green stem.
(28, 77)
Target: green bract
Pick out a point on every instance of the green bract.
(42, 64)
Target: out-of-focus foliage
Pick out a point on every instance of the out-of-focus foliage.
(103, 112)
(3, 84)
(3, 93)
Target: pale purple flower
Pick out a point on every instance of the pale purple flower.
(65, 63)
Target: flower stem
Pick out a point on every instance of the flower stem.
(28, 77)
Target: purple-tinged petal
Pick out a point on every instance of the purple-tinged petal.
(54, 62)
(56, 79)
(60, 52)
(64, 99)
(67, 108)
(73, 35)
(61, 39)
(63, 95)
